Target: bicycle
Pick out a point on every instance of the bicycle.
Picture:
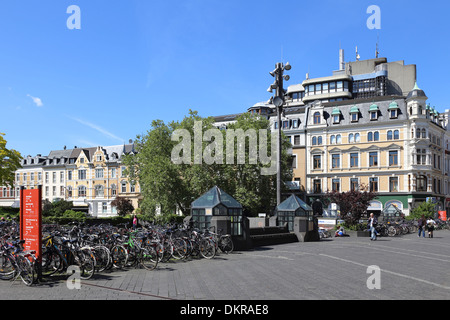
(15, 263)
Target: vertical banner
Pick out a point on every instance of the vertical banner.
(443, 215)
(31, 219)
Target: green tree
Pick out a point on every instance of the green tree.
(352, 204)
(426, 209)
(9, 163)
(173, 185)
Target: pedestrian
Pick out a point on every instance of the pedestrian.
(135, 222)
(421, 224)
(430, 226)
(372, 224)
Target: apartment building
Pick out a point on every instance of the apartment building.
(89, 177)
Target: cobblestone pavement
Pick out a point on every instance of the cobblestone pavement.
(411, 268)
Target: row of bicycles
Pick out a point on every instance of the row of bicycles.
(93, 249)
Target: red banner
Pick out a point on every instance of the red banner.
(31, 220)
(443, 215)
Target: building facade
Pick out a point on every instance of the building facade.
(89, 177)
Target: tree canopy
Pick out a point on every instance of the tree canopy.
(352, 204)
(9, 163)
(175, 163)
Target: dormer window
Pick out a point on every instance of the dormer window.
(373, 111)
(393, 110)
(336, 114)
(354, 114)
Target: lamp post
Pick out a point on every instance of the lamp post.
(278, 102)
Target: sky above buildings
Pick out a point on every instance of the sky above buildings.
(135, 61)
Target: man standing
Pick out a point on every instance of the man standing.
(372, 223)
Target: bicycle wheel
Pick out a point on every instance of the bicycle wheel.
(26, 270)
(119, 257)
(149, 257)
(87, 263)
(392, 231)
(7, 270)
(179, 249)
(51, 263)
(207, 248)
(102, 258)
(226, 244)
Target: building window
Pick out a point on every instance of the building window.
(422, 183)
(69, 192)
(335, 161)
(82, 174)
(104, 207)
(373, 159)
(98, 173)
(296, 140)
(355, 117)
(113, 190)
(69, 175)
(81, 191)
(317, 118)
(113, 172)
(354, 160)
(317, 162)
(336, 185)
(393, 158)
(317, 186)
(373, 115)
(354, 184)
(373, 184)
(314, 141)
(396, 135)
(389, 135)
(336, 118)
(99, 191)
(393, 113)
(393, 184)
(124, 188)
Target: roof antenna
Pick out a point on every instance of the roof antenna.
(376, 50)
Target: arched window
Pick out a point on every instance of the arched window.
(389, 135)
(338, 139)
(333, 139)
(317, 118)
(314, 141)
(370, 136)
(376, 136)
(396, 135)
(319, 141)
(351, 138)
(357, 137)
(424, 134)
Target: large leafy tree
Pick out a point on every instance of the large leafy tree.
(169, 184)
(9, 163)
(352, 204)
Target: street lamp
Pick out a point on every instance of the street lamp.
(278, 101)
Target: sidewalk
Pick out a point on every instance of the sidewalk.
(335, 268)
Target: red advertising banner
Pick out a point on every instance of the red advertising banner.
(31, 219)
(443, 215)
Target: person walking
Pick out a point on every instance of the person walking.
(431, 224)
(372, 223)
(135, 222)
(421, 225)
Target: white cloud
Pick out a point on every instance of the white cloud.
(37, 101)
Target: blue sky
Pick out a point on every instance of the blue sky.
(134, 61)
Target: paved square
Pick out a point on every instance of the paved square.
(411, 268)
